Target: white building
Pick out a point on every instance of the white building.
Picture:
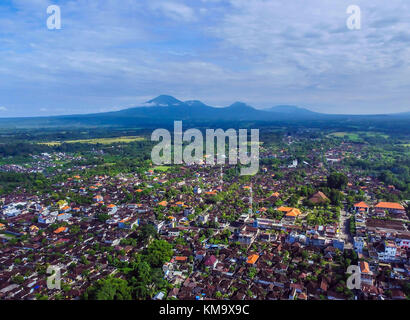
(358, 243)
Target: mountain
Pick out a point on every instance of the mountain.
(164, 109)
(164, 101)
(291, 110)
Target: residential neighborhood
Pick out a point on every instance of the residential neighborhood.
(287, 233)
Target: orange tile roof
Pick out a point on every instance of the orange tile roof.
(59, 230)
(293, 213)
(180, 258)
(139, 190)
(163, 203)
(285, 209)
(364, 267)
(252, 259)
(361, 204)
(111, 205)
(2, 225)
(65, 208)
(390, 205)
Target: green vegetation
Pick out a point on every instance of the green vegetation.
(94, 141)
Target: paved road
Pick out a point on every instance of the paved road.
(344, 227)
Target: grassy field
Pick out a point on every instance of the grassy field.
(162, 168)
(95, 141)
(348, 135)
(357, 136)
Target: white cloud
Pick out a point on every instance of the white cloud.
(174, 10)
(263, 52)
(3, 108)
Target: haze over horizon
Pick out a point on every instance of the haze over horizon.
(110, 56)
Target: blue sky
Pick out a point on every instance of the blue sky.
(112, 54)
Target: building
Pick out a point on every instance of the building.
(211, 261)
(403, 241)
(391, 207)
(386, 251)
(366, 275)
(203, 218)
(358, 243)
(319, 198)
(361, 207)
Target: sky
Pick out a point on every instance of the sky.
(110, 55)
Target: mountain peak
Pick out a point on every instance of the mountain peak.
(164, 101)
(239, 104)
(194, 103)
(285, 109)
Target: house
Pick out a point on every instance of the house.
(112, 209)
(98, 198)
(46, 219)
(159, 296)
(358, 243)
(319, 198)
(181, 259)
(211, 261)
(64, 216)
(366, 276)
(173, 232)
(263, 223)
(61, 230)
(403, 241)
(128, 223)
(203, 218)
(252, 259)
(391, 207)
(386, 251)
(34, 229)
(158, 225)
(290, 213)
(199, 255)
(361, 207)
(248, 235)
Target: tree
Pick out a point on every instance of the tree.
(158, 252)
(337, 180)
(252, 272)
(147, 231)
(108, 289)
